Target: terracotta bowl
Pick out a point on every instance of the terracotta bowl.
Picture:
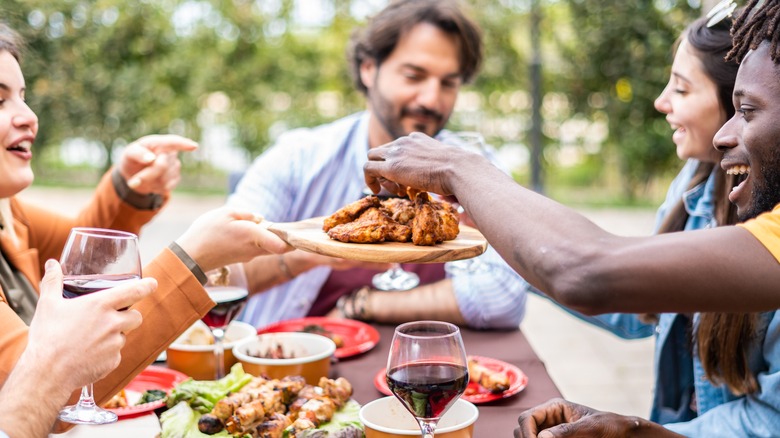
(198, 361)
(304, 354)
(388, 418)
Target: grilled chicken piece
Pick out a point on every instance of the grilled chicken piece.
(359, 232)
(426, 225)
(400, 209)
(299, 425)
(450, 224)
(318, 410)
(228, 405)
(306, 394)
(493, 381)
(394, 232)
(273, 426)
(349, 212)
(373, 226)
(339, 390)
(247, 416)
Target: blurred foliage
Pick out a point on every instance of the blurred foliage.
(109, 72)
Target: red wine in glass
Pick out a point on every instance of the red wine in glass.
(78, 285)
(230, 302)
(428, 389)
(93, 260)
(227, 287)
(427, 370)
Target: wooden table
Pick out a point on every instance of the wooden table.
(498, 418)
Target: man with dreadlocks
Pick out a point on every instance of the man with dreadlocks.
(726, 269)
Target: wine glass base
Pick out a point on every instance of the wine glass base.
(79, 414)
(390, 280)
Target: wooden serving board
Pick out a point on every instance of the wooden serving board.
(307, 235)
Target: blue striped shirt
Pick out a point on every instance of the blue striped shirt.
(314, 172)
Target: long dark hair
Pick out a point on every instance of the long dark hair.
(724, 340)
(377, 40)
(11, 42)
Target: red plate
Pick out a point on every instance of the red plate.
(474, 392)
(358, 337)
(151, 378)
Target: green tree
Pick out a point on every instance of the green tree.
(618, 64)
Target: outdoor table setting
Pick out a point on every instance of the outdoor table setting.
(489, 377)
(497, 414)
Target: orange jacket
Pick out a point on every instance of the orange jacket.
(179, 300)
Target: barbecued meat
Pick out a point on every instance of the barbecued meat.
(494, 381)
(260, 408)
(426, 225)
(449, 219)
(424, 221)
(349, 212)
(359, 231)
(400, 209)
(273, 426)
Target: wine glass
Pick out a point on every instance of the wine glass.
(427, 370)
(227, 286)
(474, 142)
(395, 278)
(95, 259)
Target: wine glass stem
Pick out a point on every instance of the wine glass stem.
(427, 427)
(219, 352)
(87, 400)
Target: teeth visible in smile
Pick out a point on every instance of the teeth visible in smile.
(22, 146)
(738, 170)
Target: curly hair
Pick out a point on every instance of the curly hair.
(377, 40)
(725, 339)
(757, 23)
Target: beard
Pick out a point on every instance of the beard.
(766, 193)
(390, 117)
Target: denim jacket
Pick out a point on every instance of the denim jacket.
(679, 373)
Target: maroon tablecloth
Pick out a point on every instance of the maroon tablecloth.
(496, 419)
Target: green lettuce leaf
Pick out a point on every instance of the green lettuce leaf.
(345, 423)
(181, 421)
(201, 395)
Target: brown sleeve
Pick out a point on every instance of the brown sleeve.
(13, 339)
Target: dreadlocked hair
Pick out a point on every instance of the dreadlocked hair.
(754, 27)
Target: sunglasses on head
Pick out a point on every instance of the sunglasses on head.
(724, 10)
(720, 12)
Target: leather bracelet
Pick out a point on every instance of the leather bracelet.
(284, 269)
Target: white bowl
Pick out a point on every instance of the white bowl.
(388, 418)
(309, 353)
(198, 361)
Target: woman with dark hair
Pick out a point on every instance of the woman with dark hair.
(705, 363)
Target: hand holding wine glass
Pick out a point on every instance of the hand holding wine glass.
(227, 286)
(93, 260)
(427, 370)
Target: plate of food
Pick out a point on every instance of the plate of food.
(241, 404)
(146, 392)
(351, 337)
(489, 379)
(394, 230)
